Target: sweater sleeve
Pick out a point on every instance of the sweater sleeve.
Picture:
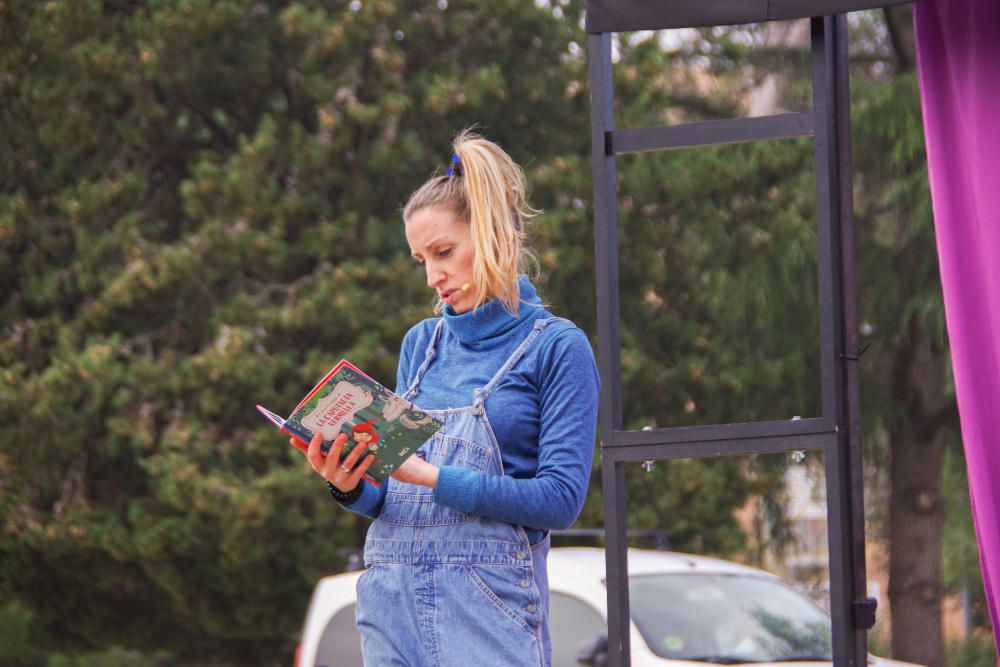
(553, 498)
(369, 503)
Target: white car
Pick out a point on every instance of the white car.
(687, 611)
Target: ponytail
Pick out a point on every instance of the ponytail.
(486, 189)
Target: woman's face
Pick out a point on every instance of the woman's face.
(443, 244)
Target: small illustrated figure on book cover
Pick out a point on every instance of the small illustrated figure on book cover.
(348, 401)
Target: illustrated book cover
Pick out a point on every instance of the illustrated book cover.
(348, 401)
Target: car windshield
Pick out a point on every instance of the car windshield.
(724, 618)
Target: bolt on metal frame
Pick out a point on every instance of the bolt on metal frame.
(836, 432)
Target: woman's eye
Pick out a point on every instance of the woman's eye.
(444, 253)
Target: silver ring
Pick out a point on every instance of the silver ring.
(345, 469)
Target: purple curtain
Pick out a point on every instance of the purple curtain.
(958, 54)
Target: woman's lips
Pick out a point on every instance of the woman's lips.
(449, 295)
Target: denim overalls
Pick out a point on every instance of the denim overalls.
(446, 587)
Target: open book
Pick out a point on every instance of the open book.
(348, 401)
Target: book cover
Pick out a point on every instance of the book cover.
(348, 401)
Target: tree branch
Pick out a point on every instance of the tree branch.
(899, 23)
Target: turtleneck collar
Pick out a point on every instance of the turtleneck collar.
(491, 320)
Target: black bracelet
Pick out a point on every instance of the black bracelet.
(345, 497)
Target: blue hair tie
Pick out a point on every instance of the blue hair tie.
(455, 168)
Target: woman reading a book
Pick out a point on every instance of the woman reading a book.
(457, 551)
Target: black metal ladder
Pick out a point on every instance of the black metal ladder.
(836, 432)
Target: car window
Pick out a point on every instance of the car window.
(727, 617)
(572, 624)
(340, 643)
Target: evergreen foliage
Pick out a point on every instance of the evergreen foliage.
(200, 212)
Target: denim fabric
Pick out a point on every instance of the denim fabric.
(446, 587)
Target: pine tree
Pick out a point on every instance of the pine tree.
(200, 211)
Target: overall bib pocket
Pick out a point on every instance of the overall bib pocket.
(413, 505)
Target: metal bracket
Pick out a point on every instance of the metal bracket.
(856, 356)
(864, 613)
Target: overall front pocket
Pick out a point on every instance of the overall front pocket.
(509, 591)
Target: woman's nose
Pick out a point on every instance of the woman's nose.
(434, 276)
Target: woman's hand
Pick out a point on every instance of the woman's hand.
(346, 474)
(417, 471)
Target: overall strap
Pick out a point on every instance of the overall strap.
(479, 396)
(429, 355)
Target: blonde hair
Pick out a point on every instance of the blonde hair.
(488, 191)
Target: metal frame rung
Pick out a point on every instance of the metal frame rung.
(709, 133)
(715, 448)
(723, 432)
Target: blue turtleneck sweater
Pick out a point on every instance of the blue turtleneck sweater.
(544, 413)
